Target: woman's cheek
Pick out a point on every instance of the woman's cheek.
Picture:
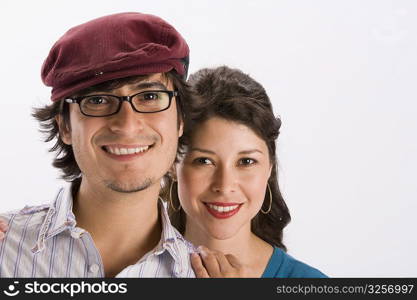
(254, 186)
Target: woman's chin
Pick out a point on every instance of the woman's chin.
(221, 234)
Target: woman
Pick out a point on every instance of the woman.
(223, 191)
(227, 196)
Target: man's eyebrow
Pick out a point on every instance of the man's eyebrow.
(141, 85)
(151, 85)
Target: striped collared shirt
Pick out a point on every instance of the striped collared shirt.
(44, 241)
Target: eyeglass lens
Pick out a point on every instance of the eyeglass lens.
(148, 101)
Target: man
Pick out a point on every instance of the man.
(119, 99)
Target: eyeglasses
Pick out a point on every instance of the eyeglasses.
(107, 105)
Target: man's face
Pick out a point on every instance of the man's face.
(103, 146)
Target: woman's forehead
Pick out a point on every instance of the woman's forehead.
(226, 135)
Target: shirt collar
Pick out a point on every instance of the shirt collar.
(60, 217)
(173, 242)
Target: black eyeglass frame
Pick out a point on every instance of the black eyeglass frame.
(78, 100)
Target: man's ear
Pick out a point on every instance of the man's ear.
(181, 128)
(64, 131)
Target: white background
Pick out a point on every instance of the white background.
(341, 74)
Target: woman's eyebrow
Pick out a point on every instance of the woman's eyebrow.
(212, 152)
(250, 151)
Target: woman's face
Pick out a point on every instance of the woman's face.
(223, 178)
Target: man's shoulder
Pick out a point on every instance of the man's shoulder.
(27, 216)
(32, 214)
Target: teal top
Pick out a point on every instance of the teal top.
(282, 265)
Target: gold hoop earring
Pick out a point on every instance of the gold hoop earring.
(270, 202)
(170, 198)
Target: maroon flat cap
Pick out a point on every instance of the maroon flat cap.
(111, 47)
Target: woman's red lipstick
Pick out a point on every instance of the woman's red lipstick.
(222, 210)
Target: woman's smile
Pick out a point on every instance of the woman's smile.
(222, 210)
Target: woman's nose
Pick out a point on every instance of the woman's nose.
(225, 181)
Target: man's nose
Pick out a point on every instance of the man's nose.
(127, 120)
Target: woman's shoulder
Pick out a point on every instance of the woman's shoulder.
(283, 265)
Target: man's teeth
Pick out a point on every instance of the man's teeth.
(222, 208)
(126, 151)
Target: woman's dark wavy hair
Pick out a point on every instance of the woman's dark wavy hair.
(64, 159)
(232, 95)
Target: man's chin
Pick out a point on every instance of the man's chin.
(122, 187)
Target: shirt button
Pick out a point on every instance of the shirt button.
(94, 268)
(75, 235)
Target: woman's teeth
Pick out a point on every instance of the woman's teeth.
(125, 151)
(222, 208)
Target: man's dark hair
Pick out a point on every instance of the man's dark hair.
(64, 159)
(232, 95)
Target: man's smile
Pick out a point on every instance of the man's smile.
(126, 152)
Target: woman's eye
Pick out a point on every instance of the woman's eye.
(202, 161)
(247, 161)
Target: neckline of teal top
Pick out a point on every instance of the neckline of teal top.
(283, 265)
